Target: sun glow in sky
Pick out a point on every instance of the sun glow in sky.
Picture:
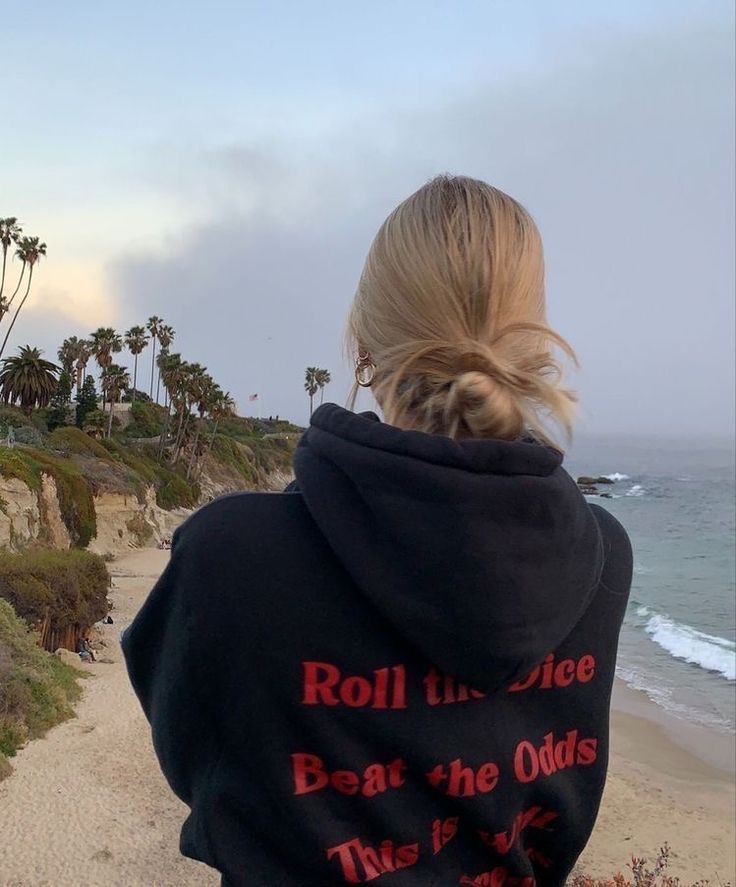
(225, 165)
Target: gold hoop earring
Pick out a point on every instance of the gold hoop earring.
(365, 370)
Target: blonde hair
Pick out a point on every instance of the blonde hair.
(451, 308)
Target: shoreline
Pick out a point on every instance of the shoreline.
(713, 748)
(90, 796)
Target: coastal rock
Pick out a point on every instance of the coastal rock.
(53, 531)
(588, 481)
(124, 522)
(20, 518)
(68, 658)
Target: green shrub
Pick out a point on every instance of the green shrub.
(173, 490)
(147, 420)
(71, 439)
(67, 588)
(37, 690)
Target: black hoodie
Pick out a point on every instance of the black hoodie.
(398, 672)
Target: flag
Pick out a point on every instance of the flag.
(252, 397)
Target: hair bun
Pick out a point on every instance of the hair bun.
(481, 404)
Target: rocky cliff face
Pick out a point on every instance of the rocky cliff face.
(123, 521)
(27, 516)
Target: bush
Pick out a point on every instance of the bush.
(173, 490)
(66, 590)
(641, 875)
(36, 689)
(73, 440)
(147, 420)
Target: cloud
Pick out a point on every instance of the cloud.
(624, 154)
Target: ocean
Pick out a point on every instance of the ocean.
(677, 501)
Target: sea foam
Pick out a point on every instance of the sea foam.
(616, 476)
(635, 490)
(708, 651)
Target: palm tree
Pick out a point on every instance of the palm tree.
(172, 374)
(311, 386)
(323, 380)
(114, 379)
(222, 407)
(193, 383)
(153, 325)
(28, 379)
(136, 340)
(206, 392)
(67, 354)
(10, 232)
(84, 352)
(105, 343)
(166, 335)
(73, 356)
(29, 251)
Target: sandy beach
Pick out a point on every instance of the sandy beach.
(87, 804)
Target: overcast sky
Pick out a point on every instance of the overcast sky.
(225, 165)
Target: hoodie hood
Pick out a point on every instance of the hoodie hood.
(482, 554)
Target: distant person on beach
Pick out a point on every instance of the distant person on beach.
(402, 666)
(85, 651)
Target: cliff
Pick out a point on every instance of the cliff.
(72, 491)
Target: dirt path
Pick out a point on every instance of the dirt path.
(87, 804)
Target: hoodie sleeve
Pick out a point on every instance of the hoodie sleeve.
(165, 669)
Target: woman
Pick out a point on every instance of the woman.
(410, 654)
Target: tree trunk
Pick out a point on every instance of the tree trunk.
(109, 424)
(153, 361)
(20, 281)
(79, 377)
(2, 279)
(214, 434)
(135, 373)
(158, 384)
(311, 408)
(17, 312)
(194, 454)
(164, 435)
(178, 434)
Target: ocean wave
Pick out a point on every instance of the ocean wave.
(663, 697)
(616, 476)
(684, 642)
(635, 490)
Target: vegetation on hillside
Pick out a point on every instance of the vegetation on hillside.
(643, 874)
(36, 690)
(59, 593)
(56, 422)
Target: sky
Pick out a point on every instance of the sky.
(226, 165)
